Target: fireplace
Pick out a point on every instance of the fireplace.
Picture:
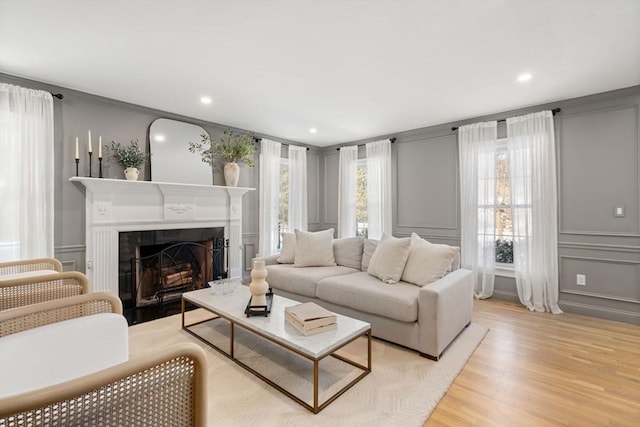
(157, 266)
(117, 206)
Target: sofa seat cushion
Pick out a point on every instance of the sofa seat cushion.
(368, 294)
(302, 280)
(61, 351)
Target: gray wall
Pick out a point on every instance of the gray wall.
(114, 120)
(598, 168)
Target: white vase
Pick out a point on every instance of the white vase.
(131, 174)
(258, 286)
(231, 174)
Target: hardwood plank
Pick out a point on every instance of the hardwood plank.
(540, 369)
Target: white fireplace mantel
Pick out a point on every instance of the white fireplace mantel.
(116, 205)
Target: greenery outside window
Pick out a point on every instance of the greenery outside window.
(283, 210)
(362, 221)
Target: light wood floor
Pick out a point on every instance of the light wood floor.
(540, 369)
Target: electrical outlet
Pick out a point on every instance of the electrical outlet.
(581, 279)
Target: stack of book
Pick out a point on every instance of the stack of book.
(309, 318)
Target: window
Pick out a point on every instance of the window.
(362, 222)
(504, 229)
(283, 206)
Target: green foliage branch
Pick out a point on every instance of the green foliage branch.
(231, 148)
(130, 156)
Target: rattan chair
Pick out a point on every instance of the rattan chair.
(31, 316)
(165, 388)
(28, 265)
(31, 290)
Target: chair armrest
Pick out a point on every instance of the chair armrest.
(160, 388)
(445, 307)
(13, 267)
(34, 315)
(268, 260)
(32, 290)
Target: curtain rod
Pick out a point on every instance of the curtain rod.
(57, 95)
(257, 141)
(360, 145)
(554, 112)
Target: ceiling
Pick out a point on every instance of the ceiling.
(350, 69)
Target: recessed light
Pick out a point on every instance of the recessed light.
(205, 100)
(525, 77)
(313, 130)
(159, 137)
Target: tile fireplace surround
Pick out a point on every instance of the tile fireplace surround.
(115, 205)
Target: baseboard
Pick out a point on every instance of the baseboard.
(506, 296)
(601, 312)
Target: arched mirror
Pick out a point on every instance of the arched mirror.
(171, 160)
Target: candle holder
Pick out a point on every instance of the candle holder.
(90, 154)
(99, 167)
(77, 163)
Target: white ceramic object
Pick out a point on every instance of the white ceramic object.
(231, 174)
(131, 174)
(258, 286)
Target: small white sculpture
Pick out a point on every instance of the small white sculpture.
(258, 286)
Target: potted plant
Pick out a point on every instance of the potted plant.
(130, 158)
(231, 149)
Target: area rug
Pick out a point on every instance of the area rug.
(402, 389)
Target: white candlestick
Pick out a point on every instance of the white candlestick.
(100, 147)
(90, 149)
(77, 150)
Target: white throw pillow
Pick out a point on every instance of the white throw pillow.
(288, 252)
(348, 251)
(314, 249)
(427, 261)
(389, 258)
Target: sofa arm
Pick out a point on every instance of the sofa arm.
(28, 265)
(165, 387)
(32, 290)
(268, 260)
(445, 308)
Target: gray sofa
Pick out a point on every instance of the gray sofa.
(424, 318)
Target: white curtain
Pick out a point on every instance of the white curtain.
(269, 197)
(347, 191)
(379, 205)
(297, 188)
(532, 160)
(477, 150)
(26, 173)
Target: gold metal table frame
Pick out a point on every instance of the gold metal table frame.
(317, 406)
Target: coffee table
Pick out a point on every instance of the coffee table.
(273, 328)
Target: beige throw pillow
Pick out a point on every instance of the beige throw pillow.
(427, 262)
(314, 249)
(370, 246)
(348, 251)
(288, 251)
(389, 258)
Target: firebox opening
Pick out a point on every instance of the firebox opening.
(156, 267)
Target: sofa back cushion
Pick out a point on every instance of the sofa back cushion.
(427, 262)
(389, 258)
(314, 249)
(370, 246)
(348, 251)
(288, 251)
